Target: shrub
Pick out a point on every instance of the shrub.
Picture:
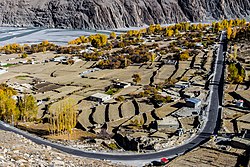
(24, 55)
(120, 98)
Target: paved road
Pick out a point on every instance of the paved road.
(210, 128)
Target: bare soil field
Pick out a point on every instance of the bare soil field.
(164, 73)
(205, 157)
(99, 114)
(183, 66)
(123, 74)
(166, 110)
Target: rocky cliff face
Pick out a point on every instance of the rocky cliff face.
(104, 14)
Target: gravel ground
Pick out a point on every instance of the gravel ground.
(206, 158)
(17, 151)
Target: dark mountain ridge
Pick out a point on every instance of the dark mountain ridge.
(108, 14)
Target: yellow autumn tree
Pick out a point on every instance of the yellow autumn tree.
(184, 56)
(229, 32)
(112, 35)
(62, 117)
(8, 109)
(28, 108)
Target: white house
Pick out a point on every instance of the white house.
(3, 71)
(168, 122)
(89, 71)
(122, 84)
(23, 61)
(100, 97)
(89, 50)
(59, 59)
(169, 62)
(182, 85)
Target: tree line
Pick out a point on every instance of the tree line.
(11, 110)
(63, 116)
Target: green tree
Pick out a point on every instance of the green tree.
(217, 27)
(120, 98)
(112, 35)
(27, 106)
(136, 78)
(184, 56)
(151, 29)
(233, 72)
(24, 55)
(98, 40)
(239, 79)
(152, 57)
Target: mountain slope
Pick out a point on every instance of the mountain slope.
(103, 14)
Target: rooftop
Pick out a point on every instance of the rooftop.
(100, 95)
(193, 100)
(241, 140)
(168, 121)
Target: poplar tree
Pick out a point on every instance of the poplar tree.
(63, 116)
(28, 107)
(8, 109)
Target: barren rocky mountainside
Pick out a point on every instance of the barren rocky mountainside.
(104, 14)
(15, 150)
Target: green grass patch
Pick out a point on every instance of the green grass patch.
(112, 91)
(9, 65)
(113, 146)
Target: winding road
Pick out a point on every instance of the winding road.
(210, 128)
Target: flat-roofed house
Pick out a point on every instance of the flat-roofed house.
(100, 97)
(168, 122)
(122, 85)
(59, 59)
(193, 102)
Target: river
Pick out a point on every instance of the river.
(36, 35)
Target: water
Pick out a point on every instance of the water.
(10, 35)
(36, 35)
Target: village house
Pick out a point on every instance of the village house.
(59, 59)
(243, 125)
(23, 61)
(193, 102)
(182, 85)
(168, 122)
(169, 62)
(89, 71)
(100, 97)
(88, 50)
(122, 85)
